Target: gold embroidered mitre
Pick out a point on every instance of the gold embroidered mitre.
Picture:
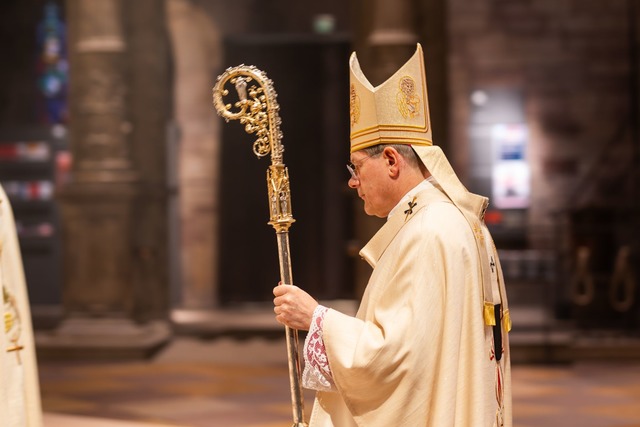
(395, 112)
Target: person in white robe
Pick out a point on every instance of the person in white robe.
(429, 344)
(20, 404)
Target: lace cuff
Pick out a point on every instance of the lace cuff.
(316, 374)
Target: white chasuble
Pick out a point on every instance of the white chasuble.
(19, 390)
(418, 352)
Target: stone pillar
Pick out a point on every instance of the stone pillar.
(634, 55)
(433, 32)
(197, 48)
(634, 107)
(393, 38)
(115, 287)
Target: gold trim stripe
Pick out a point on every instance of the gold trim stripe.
(390, 140)
(388, 128)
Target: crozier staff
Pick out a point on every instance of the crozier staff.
(429, 344)
(258, 110)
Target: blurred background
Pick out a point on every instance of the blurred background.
(142, 218)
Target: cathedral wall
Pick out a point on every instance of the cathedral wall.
(570, 62)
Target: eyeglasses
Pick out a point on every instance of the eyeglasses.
(354, 169)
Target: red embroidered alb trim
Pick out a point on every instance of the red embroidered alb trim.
(317, 373)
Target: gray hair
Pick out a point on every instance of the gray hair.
(405, 150)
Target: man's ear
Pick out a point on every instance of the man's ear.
(392, 158)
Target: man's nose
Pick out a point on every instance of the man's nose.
(353, 182)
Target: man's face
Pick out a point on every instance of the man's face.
(371, 182)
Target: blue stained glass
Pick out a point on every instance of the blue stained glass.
(53, 69)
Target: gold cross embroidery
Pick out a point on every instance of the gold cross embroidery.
(412, 204)
(11, 321)
(17, 349)
(478, 232)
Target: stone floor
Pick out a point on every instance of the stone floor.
(231, 382)
(228, 368)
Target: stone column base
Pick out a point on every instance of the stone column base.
(102, 339)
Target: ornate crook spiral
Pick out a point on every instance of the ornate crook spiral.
(256, 108)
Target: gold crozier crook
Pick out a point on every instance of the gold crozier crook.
(257, 109)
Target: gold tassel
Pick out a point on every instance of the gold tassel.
(489, 314)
